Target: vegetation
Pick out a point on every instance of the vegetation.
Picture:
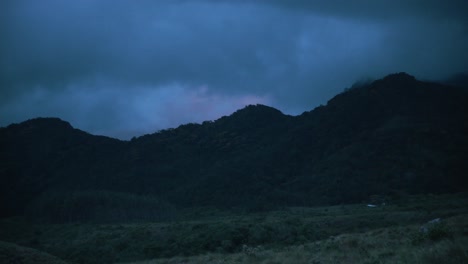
(389, 245)
(333, 234)
(97, 207)
(257, 186)
(11, 253)
(391, 136)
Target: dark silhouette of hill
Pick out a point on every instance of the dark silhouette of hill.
(460, 80)
(394, 135)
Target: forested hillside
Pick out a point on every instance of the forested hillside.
(392, 136)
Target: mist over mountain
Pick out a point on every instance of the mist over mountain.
(390, 136)
(459, 80)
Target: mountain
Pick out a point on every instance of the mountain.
(390, 136)
(460, 80)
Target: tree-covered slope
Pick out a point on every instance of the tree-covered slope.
(393, 135)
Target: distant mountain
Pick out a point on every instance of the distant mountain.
(460, 80)
(390, 136)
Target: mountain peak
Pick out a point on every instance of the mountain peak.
(393, 134)
(259, 108)
(254, 115)
(399, 77)
(45, 122)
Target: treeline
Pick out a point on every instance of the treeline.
(393, 135)
(98, 206)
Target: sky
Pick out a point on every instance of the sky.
(125, 68)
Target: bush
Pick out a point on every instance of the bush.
(438, 231)
(433, 232)
(255, 252)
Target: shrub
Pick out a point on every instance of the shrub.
(434, 232)
(253, 251)
(438, 231)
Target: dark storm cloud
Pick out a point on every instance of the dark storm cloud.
(380, 9)
(126, 67)
(68, 41)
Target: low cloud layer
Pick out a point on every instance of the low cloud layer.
(125, 68)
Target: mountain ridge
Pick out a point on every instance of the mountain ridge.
(393, 135)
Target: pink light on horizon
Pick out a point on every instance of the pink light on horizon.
(203, 105)
(156, 108)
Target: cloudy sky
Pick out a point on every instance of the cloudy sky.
(124, 68)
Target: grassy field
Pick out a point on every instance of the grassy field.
(382, 245)
(11, 253)
(336, 234)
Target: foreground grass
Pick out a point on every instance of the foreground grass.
(384, 245)
(11, 253)
(336, 234)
